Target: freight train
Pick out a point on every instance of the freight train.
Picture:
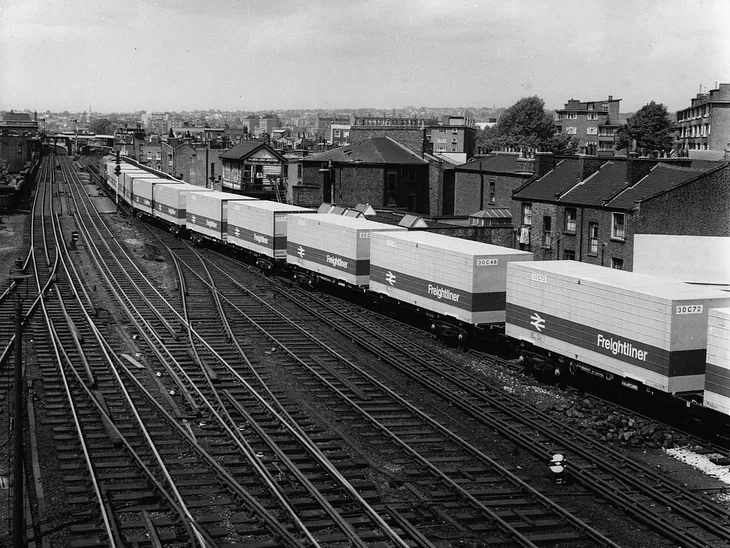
(569, 318)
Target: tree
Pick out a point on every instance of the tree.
(103, 126)
(650, 127)
(526, 124)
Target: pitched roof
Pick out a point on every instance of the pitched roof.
(661, 177)
(17, 117)
(498, 162)
(600, 186)
(556, 181)
(380, 150)
(242, 149)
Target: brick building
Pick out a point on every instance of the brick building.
(454, 137)
(197, 164)
(489, 181)
(380, 172)
(593, 123)
(589, 208)
(409, 132)
(705, 125)
(19, 140)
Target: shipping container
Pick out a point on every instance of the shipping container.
(207, 212)
(458, 278)
(647, 331)
(170, 201)
(717, 372)
(333, 246)
(142, 192)
(260, 226)
(125, 182)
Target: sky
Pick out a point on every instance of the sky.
(252, 55)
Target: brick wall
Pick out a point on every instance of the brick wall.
(467, 191)
(699, 208)
(411, 138)
(502, 236)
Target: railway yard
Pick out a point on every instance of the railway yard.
(176, 396)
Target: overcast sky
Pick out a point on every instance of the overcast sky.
(176, 55)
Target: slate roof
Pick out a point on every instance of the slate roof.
(661, 177)
(380, 150)
(556, 181)
(600, 186)
(245, 148)
(493, 163)
(17, 117)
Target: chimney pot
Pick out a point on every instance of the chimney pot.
(610, 97)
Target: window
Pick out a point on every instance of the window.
(454, 141)
(592, 130)
(618, 228)
(558, 117)
(593, 116)
(570, 130)
(300, 169)
(492, 192)
(570, 215)
(572, 116)
(527, 214)
(454, 131)
(337, 133)
(569, 255)
(441, 140)
(617, 263)
(591, 106)
(158, 156)
(593, 238)
(604, 106)
(547, 231)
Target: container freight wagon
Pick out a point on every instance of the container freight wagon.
(717, 372)
(606, 322)
(207, 213)
(260, 226)
(143, 192)
(457, 278)
(333, 246)
(125, 182)
(170, 201)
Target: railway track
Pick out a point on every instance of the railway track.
(175, 424)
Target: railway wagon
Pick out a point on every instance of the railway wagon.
(333, 247)
(170, 202)
(460, 279)
(717, 372)
(206, 215)
(647, 333)
(143, 190)
(260, 227)
(126, 180)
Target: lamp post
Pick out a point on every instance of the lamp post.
(17, 276)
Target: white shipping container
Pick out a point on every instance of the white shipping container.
(170, 201)
(334, 246)
(650, 330)
(125, 182)
(260, 226)
(142, 192)
(459, 278)
(207, 212)
(717, 373)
